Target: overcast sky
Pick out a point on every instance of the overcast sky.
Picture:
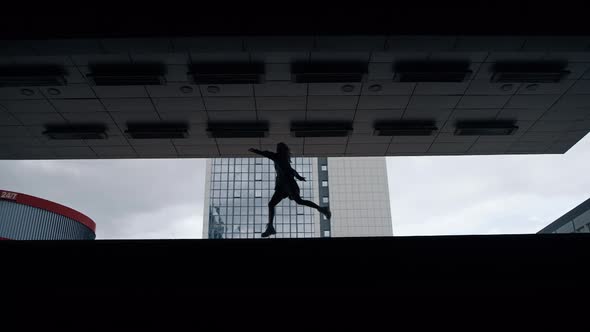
(157, 199)
(128, 199)
(509, 194)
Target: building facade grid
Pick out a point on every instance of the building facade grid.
(238, 194)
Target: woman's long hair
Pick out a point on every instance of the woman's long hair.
(283, 151)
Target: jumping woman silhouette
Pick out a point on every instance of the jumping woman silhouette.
(285, 185)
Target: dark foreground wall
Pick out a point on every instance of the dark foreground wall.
(365, 284)
(428, 266)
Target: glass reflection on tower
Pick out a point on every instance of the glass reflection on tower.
(238, 199)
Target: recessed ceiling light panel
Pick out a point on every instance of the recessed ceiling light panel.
(404, 128)
(485, 128)
(321, 129)
(432, 71)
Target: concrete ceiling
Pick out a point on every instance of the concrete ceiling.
(551, 117)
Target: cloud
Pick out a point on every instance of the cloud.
(155, 198)
(170, 222)
(486, 194)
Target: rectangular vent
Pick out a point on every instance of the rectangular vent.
(321, 129)
(531, 72)
(404, 128)
(328, 72)
(76, 132)
(32, 75)
(157, 131)
(237, 130)
(432, 71)
(227, 73)
(127, 74)
(491, 128)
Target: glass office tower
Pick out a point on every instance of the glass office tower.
(237, 191)
(237, 195)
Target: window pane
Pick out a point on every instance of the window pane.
(243, 221)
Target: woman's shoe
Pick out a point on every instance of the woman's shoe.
(270, 230)
(326, 211)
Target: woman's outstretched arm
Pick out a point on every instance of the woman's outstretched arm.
(297, 176)
(267, 154)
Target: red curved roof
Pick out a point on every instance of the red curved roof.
(44, 204)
